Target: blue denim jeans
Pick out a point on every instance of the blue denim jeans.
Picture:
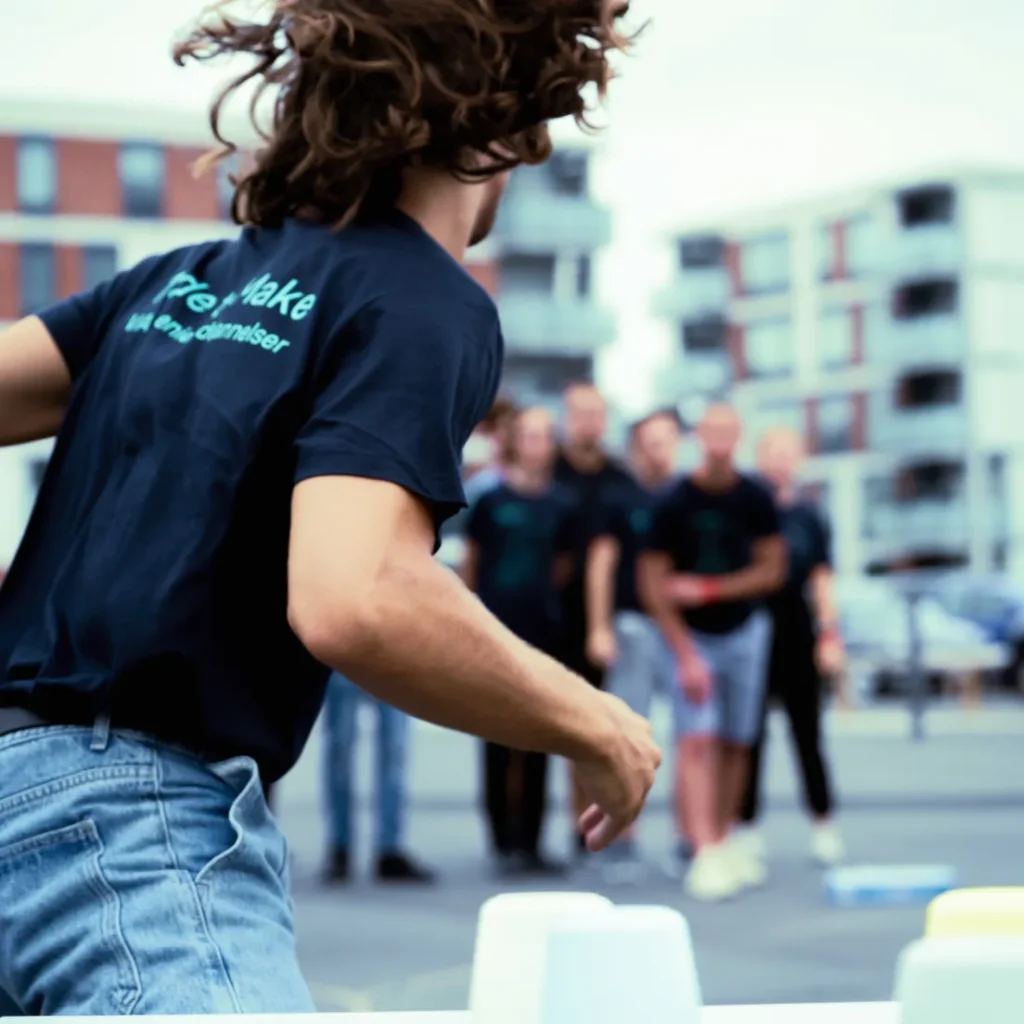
(342, 707)
(134, 879)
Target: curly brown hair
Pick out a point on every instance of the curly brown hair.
(367, 88)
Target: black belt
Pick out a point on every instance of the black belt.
(15, 719)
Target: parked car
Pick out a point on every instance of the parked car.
(995, 604)
(876, 626)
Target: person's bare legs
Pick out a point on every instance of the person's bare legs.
(698, 799)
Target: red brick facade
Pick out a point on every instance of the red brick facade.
(8, 173)
(734, 265)
(811, 435)
(188, 197)
(859, 431)
(9, 285)
(738, 351)
(88, 183)
(69, 270)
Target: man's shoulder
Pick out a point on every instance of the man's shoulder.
(753, 486)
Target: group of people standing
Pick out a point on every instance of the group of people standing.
(711, 589)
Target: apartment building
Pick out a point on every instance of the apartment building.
(885, 326)
(85, 191)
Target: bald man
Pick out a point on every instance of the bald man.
(520, 538)
(715, 553)
(806, 643)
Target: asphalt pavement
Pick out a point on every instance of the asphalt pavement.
(956, 798)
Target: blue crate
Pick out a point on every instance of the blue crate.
(888, 884)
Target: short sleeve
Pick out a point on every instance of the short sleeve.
(663, 536)
(764, 513)
(79, 323)
(572, 529)
(823, 549)
(605, 520)
(479, 517)
(396, 396)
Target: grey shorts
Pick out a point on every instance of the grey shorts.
(738, 662)
(645, 666)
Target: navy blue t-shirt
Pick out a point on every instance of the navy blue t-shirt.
(151, 582)
(627, 516)
(519, 538)
(809, 543)
(712, 533)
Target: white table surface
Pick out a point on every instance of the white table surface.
(804, 1013)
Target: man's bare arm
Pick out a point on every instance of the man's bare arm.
(34, 383)
(654, 572)
(602, 563)
(367, 598)
(765, 574)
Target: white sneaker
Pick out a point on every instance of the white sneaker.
(752, 841)
(746, 866)
(710, 877)
(827, 845)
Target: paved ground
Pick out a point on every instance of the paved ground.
(957, 798)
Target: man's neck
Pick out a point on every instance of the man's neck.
(585, 459)
(654, 480)
(528, 481)
(785, 494)
(715, 475)
(444, 207)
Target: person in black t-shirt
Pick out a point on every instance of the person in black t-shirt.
(519, 548)
(258, 440)
(622, 638)
(715, 552)
(593, 478)
(806, 643)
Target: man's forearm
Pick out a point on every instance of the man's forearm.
(434, 651)
(757, 581)
(602, 562)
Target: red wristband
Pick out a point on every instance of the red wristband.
(829, 633)
(709, 589)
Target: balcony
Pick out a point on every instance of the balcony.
(538, 322)
(927, 341)
(931, 430)
(907, 528)
(923, 251)
(532, 221)
(694, 293)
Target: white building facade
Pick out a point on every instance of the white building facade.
(887, 327)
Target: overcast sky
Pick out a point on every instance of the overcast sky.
(725, 105)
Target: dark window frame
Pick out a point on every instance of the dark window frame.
(27, 252)
(92, 278)
(49, 205)
(143, 200)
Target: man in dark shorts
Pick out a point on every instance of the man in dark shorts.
(715, 553)
(806, 645)
(519, 547)
(257, 442)
(586, 470)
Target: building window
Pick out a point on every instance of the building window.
(701, 252)
(540, 379)
(99, 264)
(37, 276)
(925, 298)
(768, 349)
(879, 496)
(584, 273)
(836, 341)
(835, 424)
(567, 172)
(765, 264)
(707, 372)
(37, 175)
(939, 387)
(521, 272)
(786, 414)
(930, 204)
(708, 334)
(142, 170)
(935, 481)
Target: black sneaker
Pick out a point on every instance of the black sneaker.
(396, 866)
(337, 870)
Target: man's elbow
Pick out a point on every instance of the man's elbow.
(341, 633)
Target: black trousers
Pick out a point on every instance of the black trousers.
(515, 798)
(794, 682)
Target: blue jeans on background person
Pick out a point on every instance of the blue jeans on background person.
(341, 720)
(135, 879)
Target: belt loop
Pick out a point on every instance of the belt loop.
(100, 733)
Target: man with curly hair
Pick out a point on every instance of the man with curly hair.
(257, 441)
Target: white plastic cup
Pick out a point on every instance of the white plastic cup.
(632, 964)
(511, 943)
(962, 979)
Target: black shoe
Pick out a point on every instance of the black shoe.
(581, 846)
(396, 866)
(537, 864)
(508, 865)
(337, 870)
